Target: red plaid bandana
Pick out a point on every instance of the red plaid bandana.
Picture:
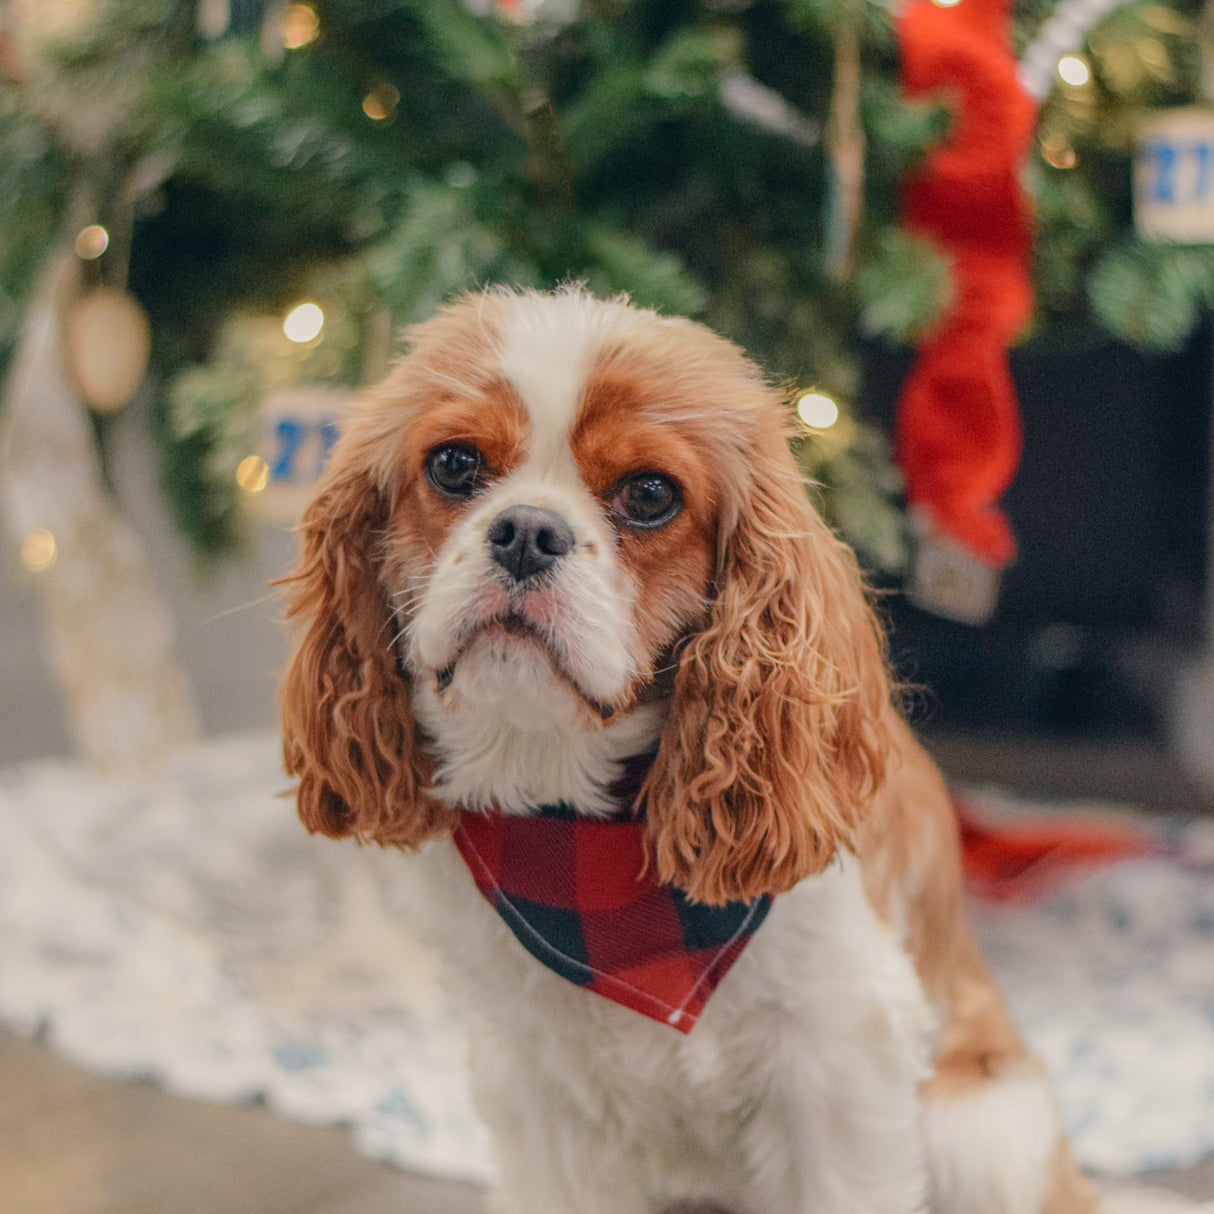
(577, 894)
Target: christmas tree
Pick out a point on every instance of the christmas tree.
(280, 188)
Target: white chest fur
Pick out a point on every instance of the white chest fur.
(796, 1091)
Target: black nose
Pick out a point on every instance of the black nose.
(526, 540)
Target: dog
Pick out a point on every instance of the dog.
(562, 576)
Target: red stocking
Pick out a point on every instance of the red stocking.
(959, 438)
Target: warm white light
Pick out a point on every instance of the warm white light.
(301, 27)
(380, 103)
(91, 242)
(304, 323)
(253, 475)
(946, 3)
(39, 550)
(1074, 70)
(817, 411)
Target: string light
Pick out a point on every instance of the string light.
(1074, 70)
(253, 474)
(39, 550)
(91, 242)
(301, 27)
(817, 411)
(380, 103)
(303, 323)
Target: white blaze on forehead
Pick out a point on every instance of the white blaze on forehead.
(549, 343)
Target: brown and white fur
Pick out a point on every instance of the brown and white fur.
(859, 1058)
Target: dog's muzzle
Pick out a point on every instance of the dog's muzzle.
(528, 540)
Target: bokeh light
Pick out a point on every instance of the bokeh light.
(1074, 70)
(300, 27)
(253, 474)
(817, 411)
(381, 102)
(304, 323)
(91, 242)
(39, 550)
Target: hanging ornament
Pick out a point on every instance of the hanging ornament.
(1174, 176)
(299, 427)
(959, 436)
(107, 344)
(110, 635)
(1174, 159)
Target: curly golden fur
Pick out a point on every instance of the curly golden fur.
(775, 743)
(778, 748)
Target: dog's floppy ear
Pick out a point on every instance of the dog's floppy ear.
(348, 728)
(776, 739)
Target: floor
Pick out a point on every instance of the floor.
(1127, 770)
(72, 1142)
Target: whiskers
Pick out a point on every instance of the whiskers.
(412, 595)
(403, 604)
(274, 596)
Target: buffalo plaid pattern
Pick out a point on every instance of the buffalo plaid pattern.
(580, 897)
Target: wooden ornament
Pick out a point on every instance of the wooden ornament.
(300, 426)
(108, 341)
(1174, 177)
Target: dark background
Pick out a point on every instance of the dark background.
(1110, 512)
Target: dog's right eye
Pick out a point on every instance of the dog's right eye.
(455, 469)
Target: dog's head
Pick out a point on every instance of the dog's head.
(551, 501)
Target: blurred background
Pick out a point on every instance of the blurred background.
(973, 239)
(216, 217)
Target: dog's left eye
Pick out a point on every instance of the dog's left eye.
(455, 469)
(647, 499)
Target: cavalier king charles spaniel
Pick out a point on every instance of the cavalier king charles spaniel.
(573, 635)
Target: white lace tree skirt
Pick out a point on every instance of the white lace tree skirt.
(186, 929)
